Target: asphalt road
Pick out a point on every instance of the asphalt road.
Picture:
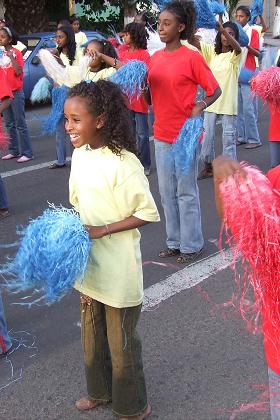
(200, 362)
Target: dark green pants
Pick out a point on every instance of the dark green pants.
(112, 357)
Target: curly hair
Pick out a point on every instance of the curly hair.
(11, 34)
(185, 13)
(106, 48)
(138, 35)
(218, 41)
(104, 97)
(71, 43)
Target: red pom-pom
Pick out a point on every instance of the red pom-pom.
(266, 85)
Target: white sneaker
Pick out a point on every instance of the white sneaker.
(23, 159)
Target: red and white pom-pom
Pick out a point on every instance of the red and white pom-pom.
(252, 225)
(4, 139)
(266, 85)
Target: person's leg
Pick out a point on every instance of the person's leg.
(60, 143)
(129, 394)
(3, 196)
(96, 351)
(274, 151)
(168, 192)
(274, 393)
(10, 123)
(251, 128)
(240, 117)
(5, 341)
(229, 136)
(142, 136)
(191, 238)
(18, 105)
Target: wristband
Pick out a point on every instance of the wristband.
(115, 65)
(204, 103)
(108, 231)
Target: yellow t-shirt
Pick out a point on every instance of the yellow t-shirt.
(102, 74)
(65, 59)
(225, 67)
(106, 188)
(80, 38)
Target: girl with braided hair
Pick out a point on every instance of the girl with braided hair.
(111, 193)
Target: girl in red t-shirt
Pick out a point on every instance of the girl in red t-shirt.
(14, 115)
(174, 75)
(135, 37)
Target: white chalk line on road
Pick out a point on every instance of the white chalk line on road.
(184, 279)
(29, 168)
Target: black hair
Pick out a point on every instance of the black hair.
(11, 34)
(104, 97)
(106, 48)
(218, 41)
(138, 35)
(71, 43)
(73, 19)
(185, 13)
(63, 22)
(245, 10)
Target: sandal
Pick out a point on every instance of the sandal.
(169, 252)
(252, 146)
(85, 403)
(188, 258)
(146, 413)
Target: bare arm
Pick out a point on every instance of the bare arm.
(131, 222)
(16, 66)
(112, 62)
(263, 24)
(207, 101)
(231, 40)
(254, 51)
(4, 104)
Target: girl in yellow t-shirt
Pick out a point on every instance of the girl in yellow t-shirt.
(111, 193)
(104, 60)
(224, 60)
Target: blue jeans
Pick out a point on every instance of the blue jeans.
(247, 121)
(14, 116)
(141, 131)
(3, 196)
(5, 341)
(274, 393)
(61, 138)
(274, 151)
(180, 200)
(228, 138)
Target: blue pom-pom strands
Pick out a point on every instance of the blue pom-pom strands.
(243, 37)
(59, 96)
(217, 8)
(131, 78)
(184, 149)
(52, 255)
(245, 76)
(257, 10)
(204, 16)
(41, 91)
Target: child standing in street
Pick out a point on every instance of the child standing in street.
(80, 37)
(111, 193)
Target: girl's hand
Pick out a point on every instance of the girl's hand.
(10, 53)
(197, 110)
(219, 26)
(96, 232)
(224, 167)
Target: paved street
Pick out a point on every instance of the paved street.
(200, 363)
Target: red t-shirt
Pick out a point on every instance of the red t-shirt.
(5, 90)
(137, 105)
(250, 62)
(274, 125)
(173, 79)
(271, 331)
(15, 82)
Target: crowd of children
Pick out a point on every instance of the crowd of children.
(108, 187)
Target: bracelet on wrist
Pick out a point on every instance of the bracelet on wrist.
(115, 65)
(108, 231)
(204, 103)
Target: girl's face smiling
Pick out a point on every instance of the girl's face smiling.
(5, 40)
(169, 28)
(61, 39)
(81, 125)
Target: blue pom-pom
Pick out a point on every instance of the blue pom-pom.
(245, 75)
(204, 16)
(257, 10)
(184, 149)
(53, 254)
(50, 44)
(131, 78)
(59, 96)
(243, 37)
(217, 8)
(41, 91)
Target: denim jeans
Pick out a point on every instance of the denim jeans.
(61, 138)
(14, 116)
(247, 121)
(274, 151)
(5, 341)
(113, 358)
(3, 196)
(274, 393)
(228, 138)
(141, 131)
(180, 200)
